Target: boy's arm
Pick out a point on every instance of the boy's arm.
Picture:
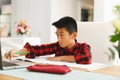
(39, 50)
(85, 55)
(82, 56)
(62, 58)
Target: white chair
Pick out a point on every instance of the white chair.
(96, 34)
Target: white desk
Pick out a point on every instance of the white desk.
(73, 75)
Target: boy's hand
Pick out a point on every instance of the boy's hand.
(10, 54)
(62, 58)
(55, 58)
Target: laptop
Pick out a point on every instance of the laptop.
(11, 64)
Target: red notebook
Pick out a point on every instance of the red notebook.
(48, 68)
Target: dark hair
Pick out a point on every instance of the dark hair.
(68, 23)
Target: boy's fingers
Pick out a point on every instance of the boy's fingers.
(6, 55)
(9, 54)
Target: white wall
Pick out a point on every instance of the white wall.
(40, 19)
(99, 10)
(103, 9)
(37, 15)
(19, 12)
(59, 9)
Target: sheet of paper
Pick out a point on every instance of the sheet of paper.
(43, 59)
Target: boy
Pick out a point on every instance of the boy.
(66, 49)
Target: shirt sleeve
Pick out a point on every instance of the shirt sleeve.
(84, 56)
(38, 50)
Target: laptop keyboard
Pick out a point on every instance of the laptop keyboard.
(7, 64)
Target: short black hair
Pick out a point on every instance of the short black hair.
(68, 23)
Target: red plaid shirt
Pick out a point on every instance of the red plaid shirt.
(81, 51)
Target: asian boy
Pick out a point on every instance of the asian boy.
(65, 49)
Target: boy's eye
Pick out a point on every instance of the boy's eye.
(61, 34)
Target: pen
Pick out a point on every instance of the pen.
(21, 52)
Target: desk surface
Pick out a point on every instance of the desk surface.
(103, 74)
(6, 77)
(110, 70)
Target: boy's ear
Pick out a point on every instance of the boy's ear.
(74, 35)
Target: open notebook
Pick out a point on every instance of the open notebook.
(85, 67)
(11, 64)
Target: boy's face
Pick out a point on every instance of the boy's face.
(65, 39)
